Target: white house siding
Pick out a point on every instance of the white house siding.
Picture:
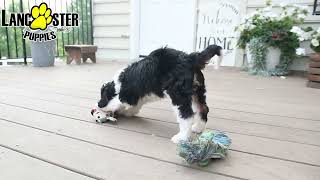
(313, 21)
(111, 29)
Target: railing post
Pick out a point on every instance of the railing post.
(87, 21)
(23, 40)
(7, 34)
(15, 31)
(62, 33)
(57, 40)
(0, 53)
(67, 10)
(73, 38)
(91, 5)
(77, 8)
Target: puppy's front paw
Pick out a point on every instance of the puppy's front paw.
(179, 137)
(198, 127)
(176, 138)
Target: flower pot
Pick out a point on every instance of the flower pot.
(249, 57)
(272, 58)
(43, 53)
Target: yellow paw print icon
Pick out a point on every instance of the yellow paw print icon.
(41, 17)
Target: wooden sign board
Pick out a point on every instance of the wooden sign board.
(217, 20)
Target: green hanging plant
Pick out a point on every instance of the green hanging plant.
(264, 29)
(258, 50)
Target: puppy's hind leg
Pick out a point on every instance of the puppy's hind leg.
(180, 93)
(201, 116)
(184, 115)
(199, 104)
(182, 106)
(200, 119)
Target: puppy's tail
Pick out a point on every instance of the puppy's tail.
(203, 58)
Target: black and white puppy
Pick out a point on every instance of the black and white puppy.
(164, 73)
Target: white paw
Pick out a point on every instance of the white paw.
(178, 137)
(198, 127)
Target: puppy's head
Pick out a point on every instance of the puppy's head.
(205, 56)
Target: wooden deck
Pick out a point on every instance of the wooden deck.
(46, 131)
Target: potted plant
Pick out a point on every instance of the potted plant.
(315, 45)
(268, 40)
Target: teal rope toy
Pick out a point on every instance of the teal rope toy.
(209, 145)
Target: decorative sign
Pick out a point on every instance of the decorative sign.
(217, 20)
(316, 8)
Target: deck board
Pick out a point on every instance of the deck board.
(280, 133)
(274, 124)
(104, 162)
(237, 164)
(227, 114)
(17, 166)
(262, 146)
(226, 102)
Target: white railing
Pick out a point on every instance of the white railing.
(6, 62)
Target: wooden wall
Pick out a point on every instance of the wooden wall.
(111, 28)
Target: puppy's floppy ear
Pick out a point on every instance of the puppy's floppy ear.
(205, 56)
(103, 102)
(107, 93)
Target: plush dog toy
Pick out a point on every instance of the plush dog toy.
(207, 146)
(102, 117)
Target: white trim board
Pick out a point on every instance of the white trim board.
(134, 29)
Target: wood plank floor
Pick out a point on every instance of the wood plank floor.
(46, 131)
